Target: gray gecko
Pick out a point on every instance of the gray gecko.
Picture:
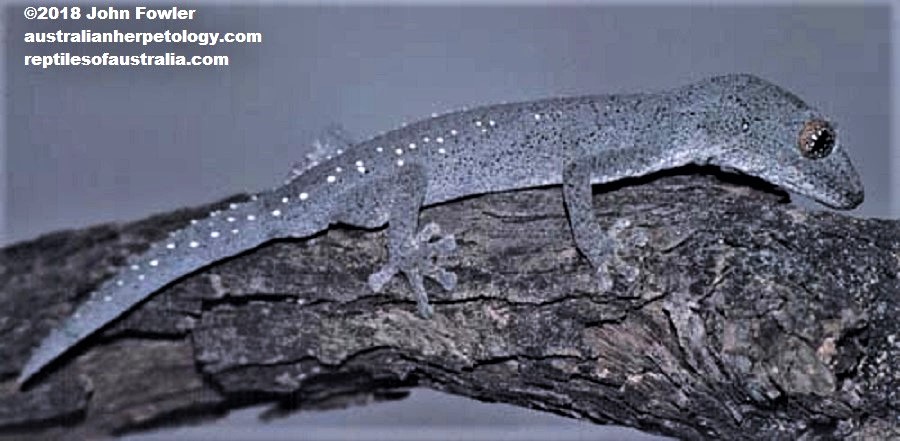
(734, 121)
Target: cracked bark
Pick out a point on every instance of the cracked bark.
(751, 319)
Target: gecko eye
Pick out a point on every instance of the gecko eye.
(816, 139)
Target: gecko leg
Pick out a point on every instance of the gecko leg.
(597, 245)
(410, 252)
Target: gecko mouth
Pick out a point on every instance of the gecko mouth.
(844, 201)
(736, 176)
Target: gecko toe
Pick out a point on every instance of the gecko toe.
(443, 247)
(614, 265)
(634, 238)
(426, 310)
(447, 279)
(629, 272)
(378, 279)
(604, 279)
(618, 226)
(428, 232)
(623, 233)
(417, 284)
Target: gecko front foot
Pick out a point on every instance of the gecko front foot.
(416, 260)
(607, 255)
(605, 279)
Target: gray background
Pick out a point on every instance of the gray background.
(88, 145)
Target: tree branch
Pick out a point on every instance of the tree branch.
(750, 319)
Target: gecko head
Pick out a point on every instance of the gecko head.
(768, 132)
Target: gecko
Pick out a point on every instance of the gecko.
(734, 121)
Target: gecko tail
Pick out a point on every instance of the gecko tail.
(52, 347)
(222, 235)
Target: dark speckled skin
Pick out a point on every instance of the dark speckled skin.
(737, 121)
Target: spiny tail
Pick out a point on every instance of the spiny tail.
(223, 234)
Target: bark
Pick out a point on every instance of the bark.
(751, 318)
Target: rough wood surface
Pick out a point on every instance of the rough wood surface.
(751, 319)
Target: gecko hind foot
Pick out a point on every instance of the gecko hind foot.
(416, 261)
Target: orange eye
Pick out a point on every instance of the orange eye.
(816, 139)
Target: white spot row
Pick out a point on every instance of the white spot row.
(412, 146)
(360, 166)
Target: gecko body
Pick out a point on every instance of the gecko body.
(736, 121)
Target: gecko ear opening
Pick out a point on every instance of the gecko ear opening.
(816, 139)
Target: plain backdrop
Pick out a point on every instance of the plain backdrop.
(100, 144)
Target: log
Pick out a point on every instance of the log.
(750, 318)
